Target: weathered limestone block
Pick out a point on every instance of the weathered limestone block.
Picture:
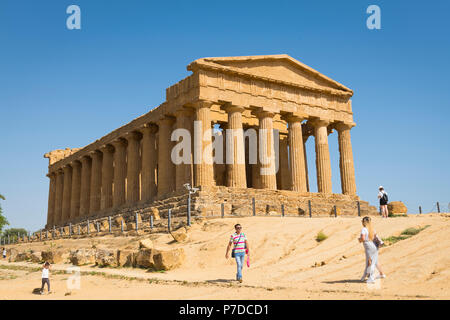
(397, 207)
(168, 260)
(144, 258)
(104, 225)
(22, 256)
(106, 258)
(35, 257)
(145, 244)
(338, 211)
(11, 254)
(53, 256)
(155, 213)
(82, 256)
(126, 258)
(117, 222)
(66, 230)
(180, 235)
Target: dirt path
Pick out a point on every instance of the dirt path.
(284, 263)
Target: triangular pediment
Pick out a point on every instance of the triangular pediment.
(281, 68)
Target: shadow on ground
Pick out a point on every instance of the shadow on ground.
(343, 281)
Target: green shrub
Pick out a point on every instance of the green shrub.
(321, 236)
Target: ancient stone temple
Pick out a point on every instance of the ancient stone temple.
(281, 99)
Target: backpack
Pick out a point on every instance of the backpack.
(385, 197)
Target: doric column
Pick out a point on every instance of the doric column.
(306, 163)
(284, 174)
(96, 181)
(106, 199)
(67, 192)
(203, 161)
(307, 131)
(297, 154)
(235, 148)
(120, 171)
(346, 159)
(133, 166)
(149, 161)
(51, 200)
(256, 176)
(323, 165)
(166, 167)
(59, 196)
(268, 177)
(85, 193)
(184, 120)
(76, 190)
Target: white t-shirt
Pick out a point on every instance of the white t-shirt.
(4, 252)
(45, 273)
(365, 232)
(380, 194)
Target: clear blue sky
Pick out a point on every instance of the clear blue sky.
(65, 88)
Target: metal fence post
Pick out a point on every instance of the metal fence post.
(359, 208)
(98, 226)
(88, 226)
(309, 208)
(420, 209)
(438, 208)
(189, 208)
(254, 206)
(222, 209)
(169, 214)
(109, 224)
(136, 220)
(46, 234)
(121, 225)
(70, 230)
(40, 235)
(151, 222)
(282, 210)
(335, 211)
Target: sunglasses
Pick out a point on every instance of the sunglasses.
(238, 227)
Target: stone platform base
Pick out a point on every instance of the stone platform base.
(236, 201)
(207, 202)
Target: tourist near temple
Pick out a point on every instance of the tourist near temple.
(262, 108)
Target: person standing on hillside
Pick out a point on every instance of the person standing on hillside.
(45, 277)
(240, 246)
(382, 195)
(4, 253)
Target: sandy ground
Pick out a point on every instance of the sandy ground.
(284, 255)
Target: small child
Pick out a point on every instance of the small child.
(45, 279)
(4, 253)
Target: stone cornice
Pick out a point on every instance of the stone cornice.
(205, 64)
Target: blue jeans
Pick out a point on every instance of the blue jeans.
(239, 256)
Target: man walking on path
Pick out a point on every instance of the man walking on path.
(240, 246)
(382, 195)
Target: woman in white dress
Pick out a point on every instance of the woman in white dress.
(367, 237)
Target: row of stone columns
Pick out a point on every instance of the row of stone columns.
(124, 171)
(106, 178)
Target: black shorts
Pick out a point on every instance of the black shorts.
(383, 203)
